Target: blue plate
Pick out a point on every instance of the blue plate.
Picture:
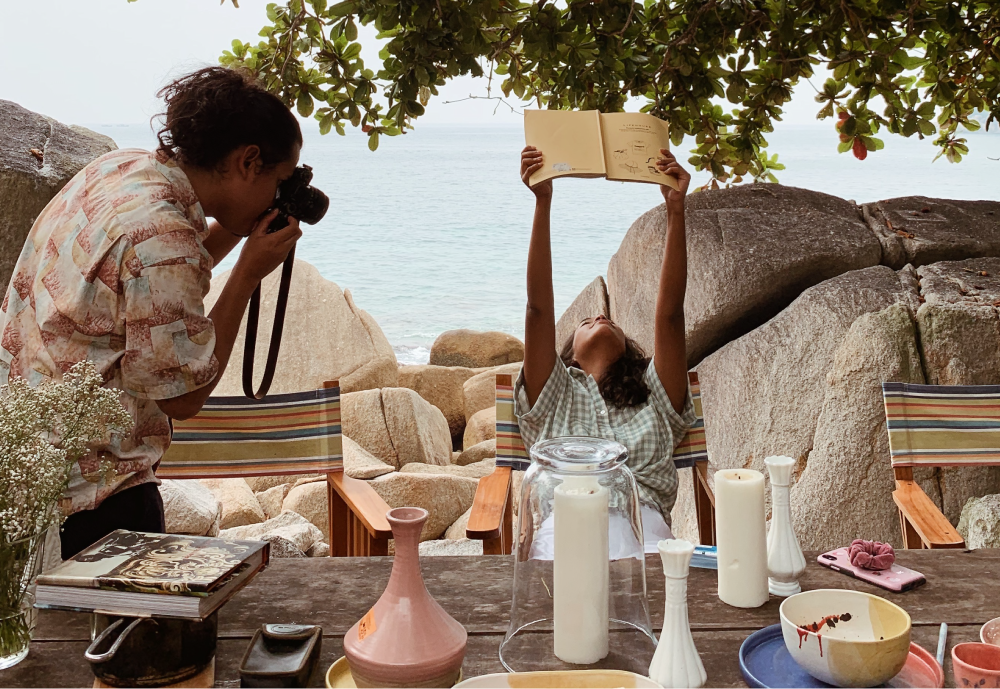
(765, 662)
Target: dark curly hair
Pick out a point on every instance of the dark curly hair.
(213, 111)
(623, 384)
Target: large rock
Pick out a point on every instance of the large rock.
(591, 302)
(289, 526)
(239, 504)
(326, 337)
(27, 184)
(359, 463)
(752, 250)
(480, 390)
(920, 230)
(271, 499)
(477, 453)
(190, 508)
(477, 470)
(960, 342)
(474, 349)
(397, 426)
(444, 497)
(980, 522)
(311, 501)
(481, 427)
(807, 385)
(457, 530)
(442, 387)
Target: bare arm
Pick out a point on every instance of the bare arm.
(540, 316)
(219, 242)
(260, 255)
(670, 352)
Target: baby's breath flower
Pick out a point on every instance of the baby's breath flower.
(44, 431)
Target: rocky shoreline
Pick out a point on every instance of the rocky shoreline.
(799, 305)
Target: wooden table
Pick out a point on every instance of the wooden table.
(963, 589)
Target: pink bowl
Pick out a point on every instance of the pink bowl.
(976, 665)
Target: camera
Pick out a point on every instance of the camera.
(298, 199)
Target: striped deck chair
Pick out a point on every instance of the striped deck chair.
(937, 426)
(491, 520)
(297, 433)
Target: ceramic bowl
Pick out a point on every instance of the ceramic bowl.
(846, 638)
(585, 679)
(990, 632)
(976, 665)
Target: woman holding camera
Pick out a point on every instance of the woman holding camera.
(116, 268)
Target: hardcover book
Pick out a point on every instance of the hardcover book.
(621, 146)
(140, 573)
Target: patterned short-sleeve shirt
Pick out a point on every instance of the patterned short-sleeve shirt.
(114, 271)
(571, 404)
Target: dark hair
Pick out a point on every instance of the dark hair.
(623, 384)
(213, 111)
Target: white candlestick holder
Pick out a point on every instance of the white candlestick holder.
(676, 662)
(785, 561)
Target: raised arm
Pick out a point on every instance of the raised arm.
(540, 316)
(670, 353)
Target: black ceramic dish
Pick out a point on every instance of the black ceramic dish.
(151, 652)
(281, 655)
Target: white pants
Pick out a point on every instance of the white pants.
(654, 530)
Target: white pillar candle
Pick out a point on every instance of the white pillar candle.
(741, 537)
(580, 570)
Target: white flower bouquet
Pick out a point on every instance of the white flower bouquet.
(44, 431)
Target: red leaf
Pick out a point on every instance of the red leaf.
(860, 152)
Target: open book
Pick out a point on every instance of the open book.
(622, 146)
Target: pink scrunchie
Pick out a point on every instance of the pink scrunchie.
(871, 554)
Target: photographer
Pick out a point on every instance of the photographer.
(116, 269)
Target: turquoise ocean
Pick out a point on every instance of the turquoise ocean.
(430, 232)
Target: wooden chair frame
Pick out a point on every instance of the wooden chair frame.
(913, 410)
(356, 513)
(492, 518)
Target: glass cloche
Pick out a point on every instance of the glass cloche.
(579, 597)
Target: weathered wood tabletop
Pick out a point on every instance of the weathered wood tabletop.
(962, 589)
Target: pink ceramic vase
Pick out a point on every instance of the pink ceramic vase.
(406, 639)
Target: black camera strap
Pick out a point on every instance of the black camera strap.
(253, 315)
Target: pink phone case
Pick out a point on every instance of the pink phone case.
(895, 578)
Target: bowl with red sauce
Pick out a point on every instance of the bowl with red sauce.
(846, 638)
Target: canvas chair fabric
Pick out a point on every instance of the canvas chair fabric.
(512, 453)
(942, 425)
(236, 437)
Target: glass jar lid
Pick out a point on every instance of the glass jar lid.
(579, 454)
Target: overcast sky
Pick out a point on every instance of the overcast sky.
(102, 61)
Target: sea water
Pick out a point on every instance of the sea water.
(430, 232)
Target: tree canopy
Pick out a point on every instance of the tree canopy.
(717, 70)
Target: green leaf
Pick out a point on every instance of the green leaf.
(373, 141)
(304, 104)
(351, 30)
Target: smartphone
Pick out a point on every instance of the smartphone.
(896, 578)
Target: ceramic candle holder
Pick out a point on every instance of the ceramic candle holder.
(785, 561)
(676, 662)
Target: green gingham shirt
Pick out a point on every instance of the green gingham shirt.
(571, 404)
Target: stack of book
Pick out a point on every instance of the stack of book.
(141, 574)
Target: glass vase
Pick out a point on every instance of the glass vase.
(20, 562)
(579, 598)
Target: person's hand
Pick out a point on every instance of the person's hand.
(668, 165)
(531, 162)
(264, 252)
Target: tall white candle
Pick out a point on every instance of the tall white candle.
(580, 570)
(741, 537)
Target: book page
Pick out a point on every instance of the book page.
(570, 142)
(632, 143)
